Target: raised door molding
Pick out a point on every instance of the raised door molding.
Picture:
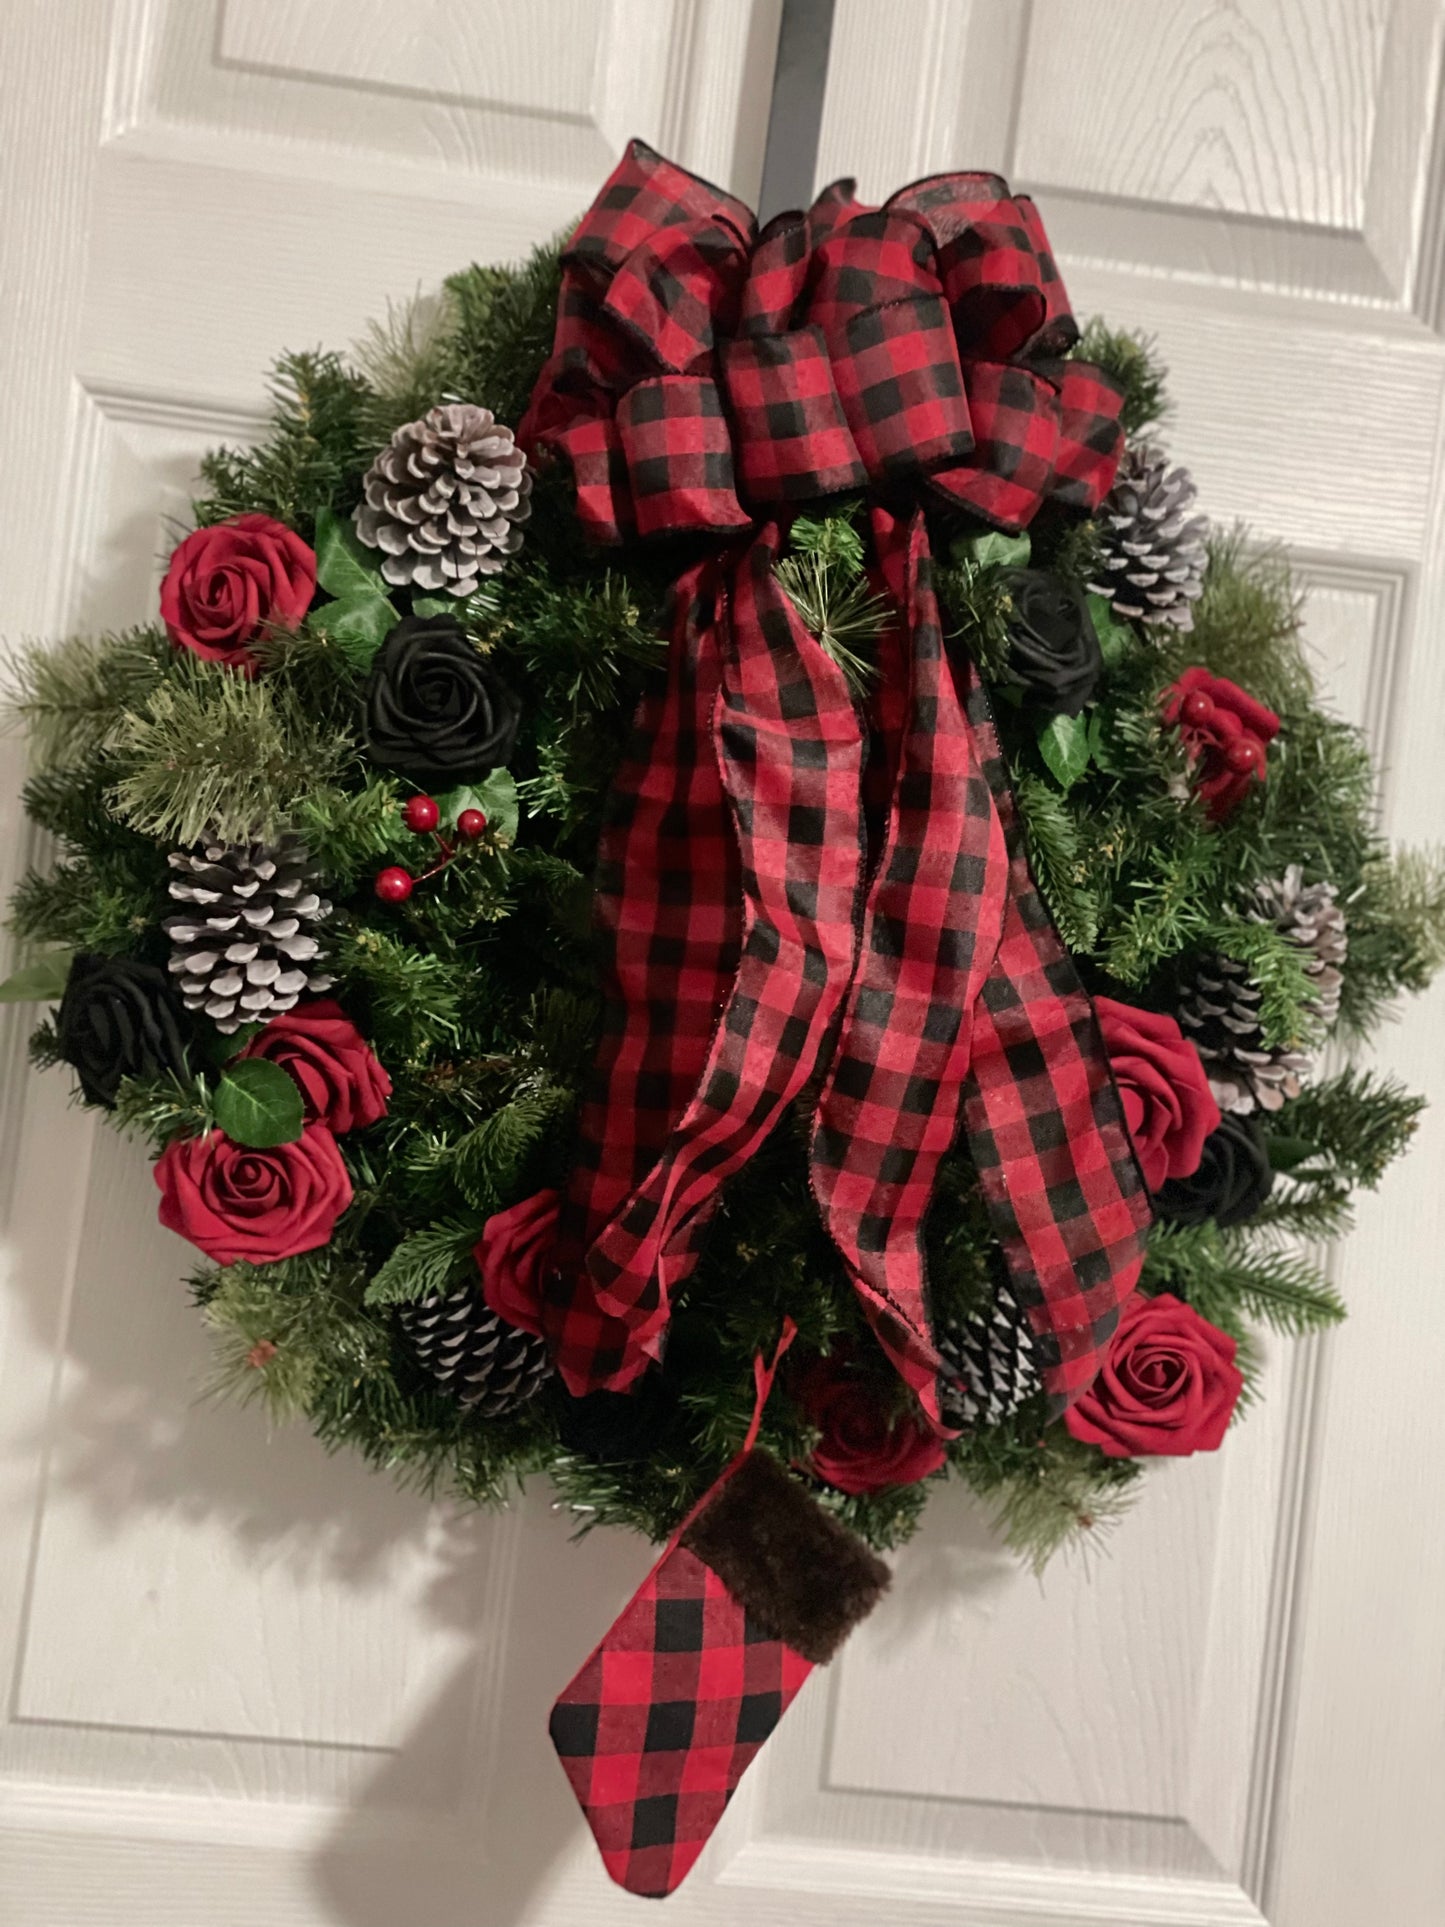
(1287, 147)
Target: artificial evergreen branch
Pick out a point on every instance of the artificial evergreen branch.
(1057, 860)
(823, 574)
(313, 456)
(1131, 360)
(215, 754)
(67, 698)
(1224, 1276)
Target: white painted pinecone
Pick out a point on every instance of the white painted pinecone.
(245, 945)
(445, 500)
(1154, 545)
(1310, 917)
(485, 1363)
(995, 1355)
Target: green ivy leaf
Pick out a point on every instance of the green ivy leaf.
(993, 550)
(358, 625)
(259, 1105)
(41, 982)
(1100, 748)
(435, 605)
(1116, 638)
(1064, 746)
(345, 567)
(495, 797)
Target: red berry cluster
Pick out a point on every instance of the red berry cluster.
(421, 815)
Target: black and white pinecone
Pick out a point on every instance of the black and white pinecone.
(487, 1364)
(245, 946)
(1220, 1009)
(1220, 1012)
(1154, 545)
(995, 1354)
(1308, 915)
(445, 500)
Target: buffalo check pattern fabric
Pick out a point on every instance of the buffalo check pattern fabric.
(788, 748)
(1044, 1124)
(706, 380)
(665, 1717)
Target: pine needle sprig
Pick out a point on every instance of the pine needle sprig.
(157, 1109)
(68, 698)
(213, 753)
(823, 574)
(1058, 860)
(313, 456)
(1348, 1128)
(427, 1261)
(1131, 359)
(1226, 1276)
(1044, 1492)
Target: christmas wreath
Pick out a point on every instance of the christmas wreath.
(813, 838)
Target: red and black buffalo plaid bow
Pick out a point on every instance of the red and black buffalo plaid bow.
(705, 378)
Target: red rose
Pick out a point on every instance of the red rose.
(1227, 734)
(1168, 1105)
(512, 1255)
(232, 583)
(258, 1205)
(342, 1083)
(1168, 1387)
(864, 1446)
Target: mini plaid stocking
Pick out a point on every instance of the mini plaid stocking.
(757, 1586)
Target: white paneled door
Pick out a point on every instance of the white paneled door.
(246, 1685)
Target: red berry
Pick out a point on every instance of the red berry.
(470, 824)
(420, 813)
(1243, 755)
(1196, 707)
(394, 885)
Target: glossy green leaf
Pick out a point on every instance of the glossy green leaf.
(345, 567)
(1064, 746)
(1116, 638)
(495, 797)
(41, 982)
(358, 624)
(259, 1105)
(993, 550)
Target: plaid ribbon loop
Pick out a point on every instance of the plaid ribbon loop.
(704, 377)
(758, 943)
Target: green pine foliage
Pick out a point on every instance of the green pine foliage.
(1131, 359)
(480, 994)
(313, 456)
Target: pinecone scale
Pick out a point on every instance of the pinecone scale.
(445, 500)
(488, 1365)
(1220, 1009)
(244, 946)
(1154, 547)
(994, 1354)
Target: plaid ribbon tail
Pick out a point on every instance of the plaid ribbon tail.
(888, 1111)
(1045, 1129)
(789, 750)
(668, 915)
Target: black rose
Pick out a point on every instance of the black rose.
(119, 1018)
(1232, 1181)
(1053, 652)
(436, 710)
